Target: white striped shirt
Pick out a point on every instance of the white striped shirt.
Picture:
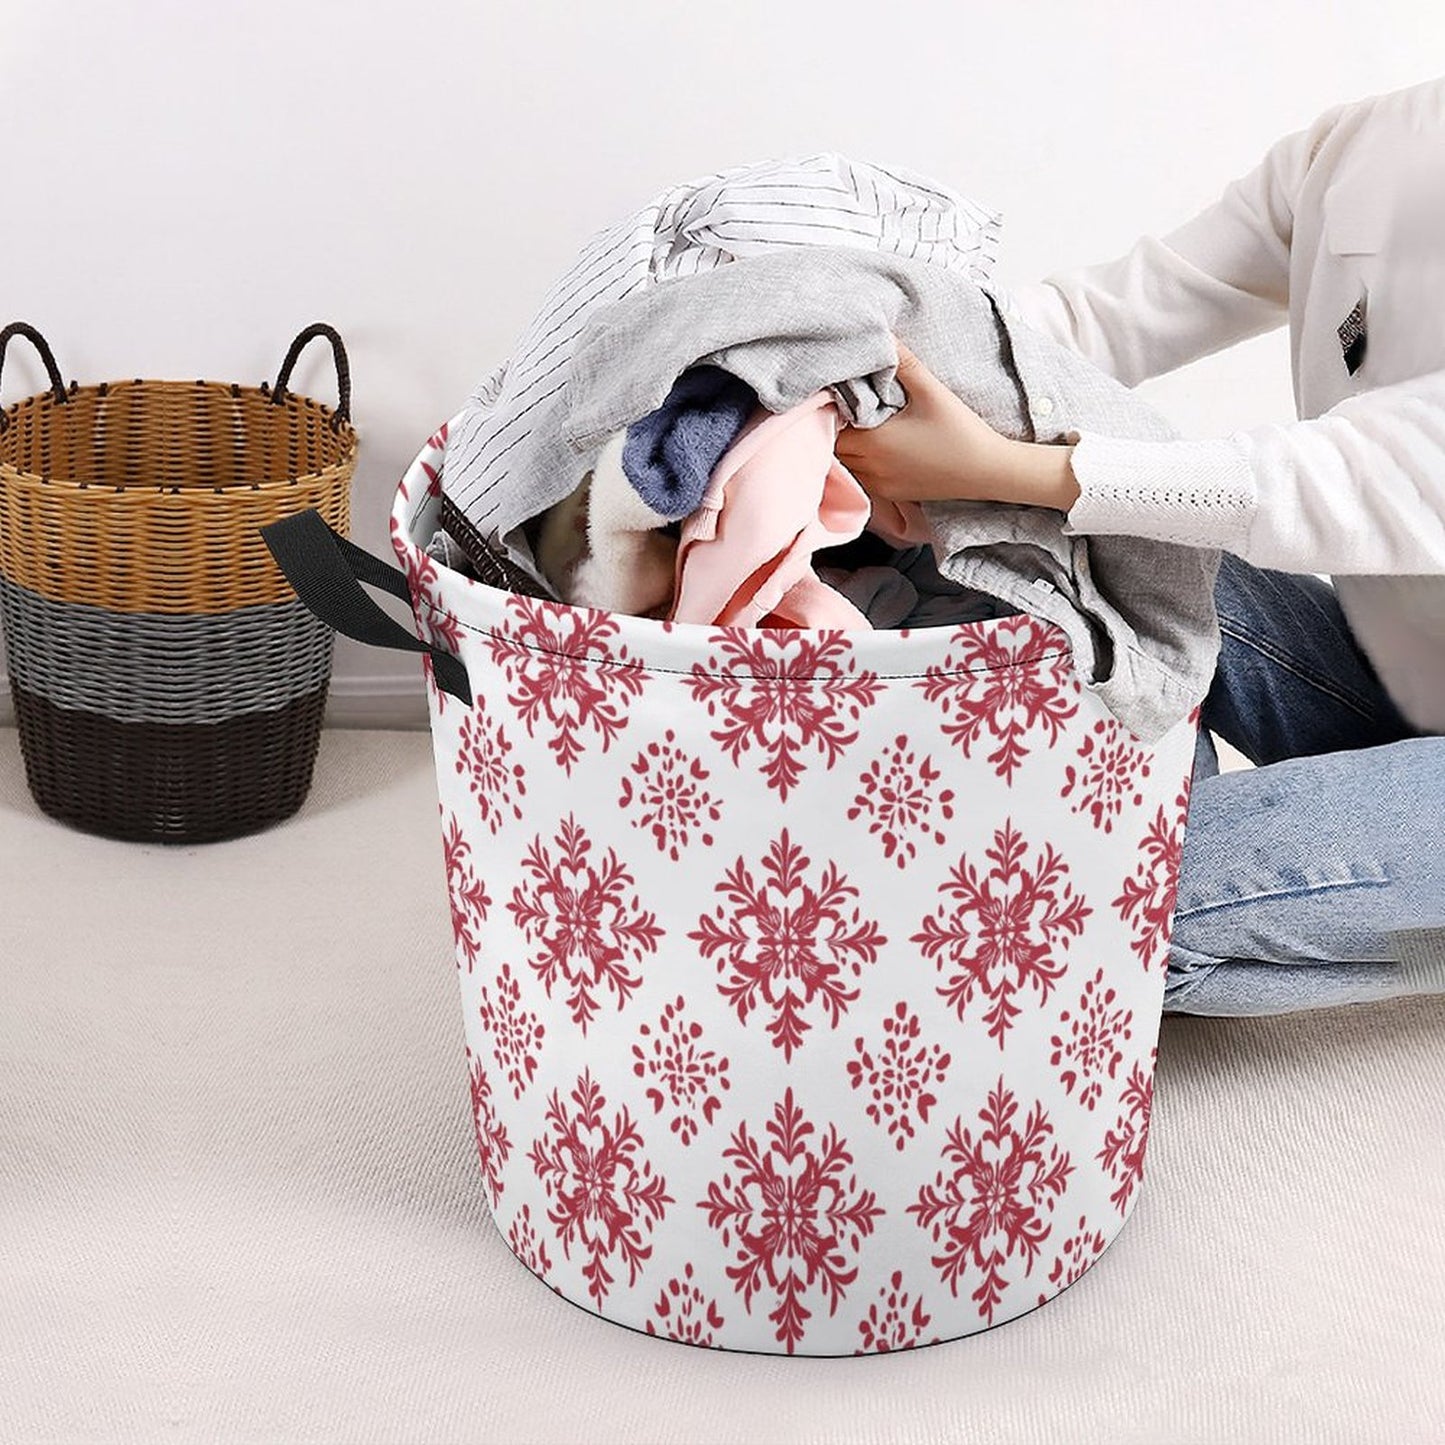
(824, 200)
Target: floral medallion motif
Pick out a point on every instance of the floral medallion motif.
(788, 941)
(995, 1203)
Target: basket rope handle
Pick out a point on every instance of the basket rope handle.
(326, 570)
(343, 368)
(23, 328)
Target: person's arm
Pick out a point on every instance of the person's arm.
(1216, 280)
(1358, 490)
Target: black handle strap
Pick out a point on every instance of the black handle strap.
(23, 328)
(343, 368)
(326, 570)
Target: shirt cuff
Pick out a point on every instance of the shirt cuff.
(1195, 493)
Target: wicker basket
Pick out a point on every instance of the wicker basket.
(168, 685)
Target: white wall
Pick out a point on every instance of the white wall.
(187, 184)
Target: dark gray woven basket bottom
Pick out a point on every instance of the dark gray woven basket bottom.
(169, 782)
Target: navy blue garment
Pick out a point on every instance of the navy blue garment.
(670, 453)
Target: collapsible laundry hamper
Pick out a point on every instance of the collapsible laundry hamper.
(811, 979)
(168, 685)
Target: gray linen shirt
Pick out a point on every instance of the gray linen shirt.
(1139, 614)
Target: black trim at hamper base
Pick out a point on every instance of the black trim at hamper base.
(168, 782)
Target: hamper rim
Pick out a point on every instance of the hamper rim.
(912, 652)
(291, 403)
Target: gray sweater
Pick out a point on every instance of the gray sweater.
(1139, 614)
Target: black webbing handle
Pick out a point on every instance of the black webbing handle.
(23, 328)
(343, 368)
(326, 570)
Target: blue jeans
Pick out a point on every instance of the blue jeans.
(1297, 874)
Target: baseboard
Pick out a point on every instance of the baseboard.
(351, 702)
(377, 702)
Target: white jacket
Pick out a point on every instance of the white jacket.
(1350, 209)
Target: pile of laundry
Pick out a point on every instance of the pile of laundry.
(661, 442)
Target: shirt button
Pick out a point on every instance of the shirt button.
(1044, 406)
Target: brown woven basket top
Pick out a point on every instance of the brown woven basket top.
(163, 435)
(147, 496)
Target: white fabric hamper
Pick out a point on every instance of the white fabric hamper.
(811, 979)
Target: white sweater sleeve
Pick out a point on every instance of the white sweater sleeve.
(1358, 490)
(1218, 279)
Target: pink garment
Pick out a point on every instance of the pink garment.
(776, 496)
(901, 523)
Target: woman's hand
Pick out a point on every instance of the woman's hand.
(937, 448)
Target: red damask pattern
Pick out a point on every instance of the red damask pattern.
(567, 675)
(788, 694)
(1079, 1251)
(1005, 929)
(1089, 1041)
(1011, 680)
(1148, 898)
(689, 1191)
(900, 797)
(683, 1312)
(688, 1078)
(1126, 1143)
(435, 442)
(605, 1195)
(516, 1032)
(894, 1321)
(793, 1216)
(666, 794)
(493, 1145)
(466, 893)
(1110, 768)
(526, 1245)
(898, 1073)
(438, 625)
(584, 919)
(785, 943)
(994, 1204)
(497, 785)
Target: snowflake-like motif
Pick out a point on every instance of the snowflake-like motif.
(1079, 1251)
(1125, 1144)
(1004, 929)
(525, 1244)
(791, 1216)
(785, 944)
(481, 756)
(516, 1032)
(1089, 1039)
(605, 1195)
(683, 1312)
(437, 625)
(585, 920)
(786, 693)
(1147, 901)
(1009, 680)
(666, 791)
(688, 1077)
(493, 1145)
(567, 675)
(994, 1204)
(1110, 767)
(900, 797)
(890, 1323)
(465, 892)
(899, 1073)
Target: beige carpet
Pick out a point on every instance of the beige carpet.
(239, 1198)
